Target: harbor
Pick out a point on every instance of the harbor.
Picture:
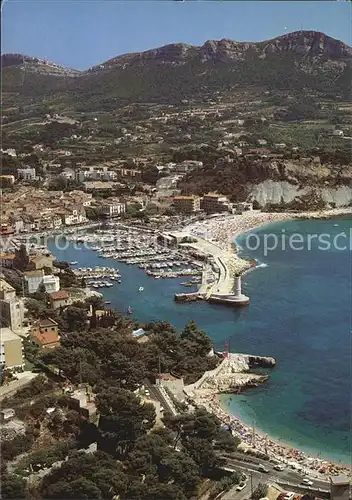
(214, 271)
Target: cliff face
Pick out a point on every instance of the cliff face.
(276, 192)
(306, 43)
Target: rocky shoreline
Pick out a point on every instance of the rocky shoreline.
(233, 374)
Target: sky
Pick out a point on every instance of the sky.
(81, 33)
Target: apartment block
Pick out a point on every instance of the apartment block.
(213, 203)
(10, 349)
(11, 307)
(27, 174)
(186, 204)
(112, 208)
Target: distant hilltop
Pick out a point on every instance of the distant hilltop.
(302, 43)
(36, 64)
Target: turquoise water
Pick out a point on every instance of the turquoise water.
(300, 313)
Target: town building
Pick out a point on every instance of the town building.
(6, 414)
(7, 180)
(36, 278)
(130, 172)
(98, 186)
(238, 208)
(213, 203)
(6, 229)
(69, 174)
(172, 239)
(186, 204)
(71, 217)
(45, 340)
(83, 402)
(40, 261)
(27, 174)
(59, 299)
(112, 207)
(11, 307)
(7, 260)
(96, 174)
(51, 283)
(43, 326)
(166, 240)
(187, 166)
(337, 133)
(10, 152)
(10, 349)
(340, 488)
(140, 335)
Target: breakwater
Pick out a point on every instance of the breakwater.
(189, 297)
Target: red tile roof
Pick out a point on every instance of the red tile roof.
(47, 338)
(60, 295)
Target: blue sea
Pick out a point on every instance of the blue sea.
(300, 313)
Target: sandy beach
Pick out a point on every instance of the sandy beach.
(254, 441)
(222, 231)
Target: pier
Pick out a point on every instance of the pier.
(221, 277)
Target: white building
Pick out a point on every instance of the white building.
(97, 174)
(51, 283)
(11, 307)
(113, 208)
(27, 174)
(74, 217)
(337, 133)
(36, 278)
(10, 152)
(68, 173)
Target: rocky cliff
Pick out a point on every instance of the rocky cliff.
(306, 43)
(275, 192)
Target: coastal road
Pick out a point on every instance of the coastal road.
(287, 476)
(287, 479)
(252, 482)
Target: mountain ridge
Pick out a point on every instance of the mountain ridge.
(304, 43)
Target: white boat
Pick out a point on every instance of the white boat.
(141, 289)
(73, 263)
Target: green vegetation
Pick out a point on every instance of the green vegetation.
(135, 458)
(111, 357)
(260, 492)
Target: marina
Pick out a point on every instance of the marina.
(98, 277)
(214, 271)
